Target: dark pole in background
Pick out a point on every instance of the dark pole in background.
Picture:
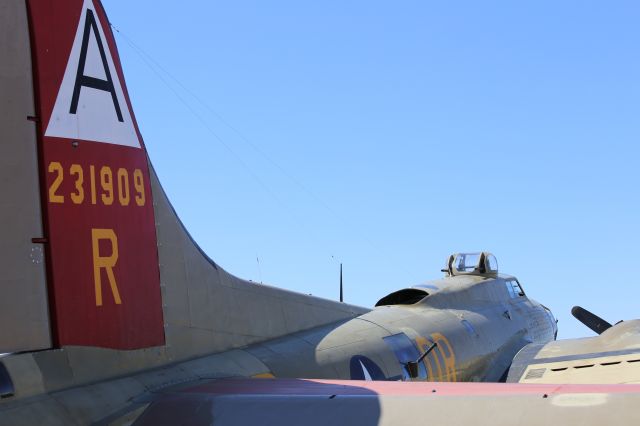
(341, 298)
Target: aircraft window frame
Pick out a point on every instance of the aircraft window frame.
(520, 293)
(514, 289)
(405, 350)
(492, 263)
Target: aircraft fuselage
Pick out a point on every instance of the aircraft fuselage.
(475, 324)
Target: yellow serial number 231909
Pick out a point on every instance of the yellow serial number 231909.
(119, 187)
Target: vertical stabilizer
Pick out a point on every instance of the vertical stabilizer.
(103, 262)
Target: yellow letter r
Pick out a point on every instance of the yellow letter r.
(106, 262)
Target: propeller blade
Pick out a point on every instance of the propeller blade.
(589, 319)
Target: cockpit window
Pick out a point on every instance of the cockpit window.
(514, 289)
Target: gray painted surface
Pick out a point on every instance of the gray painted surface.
(23, 296)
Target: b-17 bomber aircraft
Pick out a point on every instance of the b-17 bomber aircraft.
(110, 313)
(467, 326)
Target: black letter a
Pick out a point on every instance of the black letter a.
(85, 80)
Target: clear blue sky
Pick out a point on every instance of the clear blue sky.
(387, 135)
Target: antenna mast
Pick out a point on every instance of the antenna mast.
(341, 296)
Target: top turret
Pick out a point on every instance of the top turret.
(483, 263)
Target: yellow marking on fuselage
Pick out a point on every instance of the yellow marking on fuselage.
(436, 359)
(424, 344)
(263, 376)
(449, 360)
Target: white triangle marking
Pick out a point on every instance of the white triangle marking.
(96, 117)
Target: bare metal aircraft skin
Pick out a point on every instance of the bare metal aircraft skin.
(112, 314)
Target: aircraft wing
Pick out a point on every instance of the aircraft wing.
(611, 357)
(327, 402)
